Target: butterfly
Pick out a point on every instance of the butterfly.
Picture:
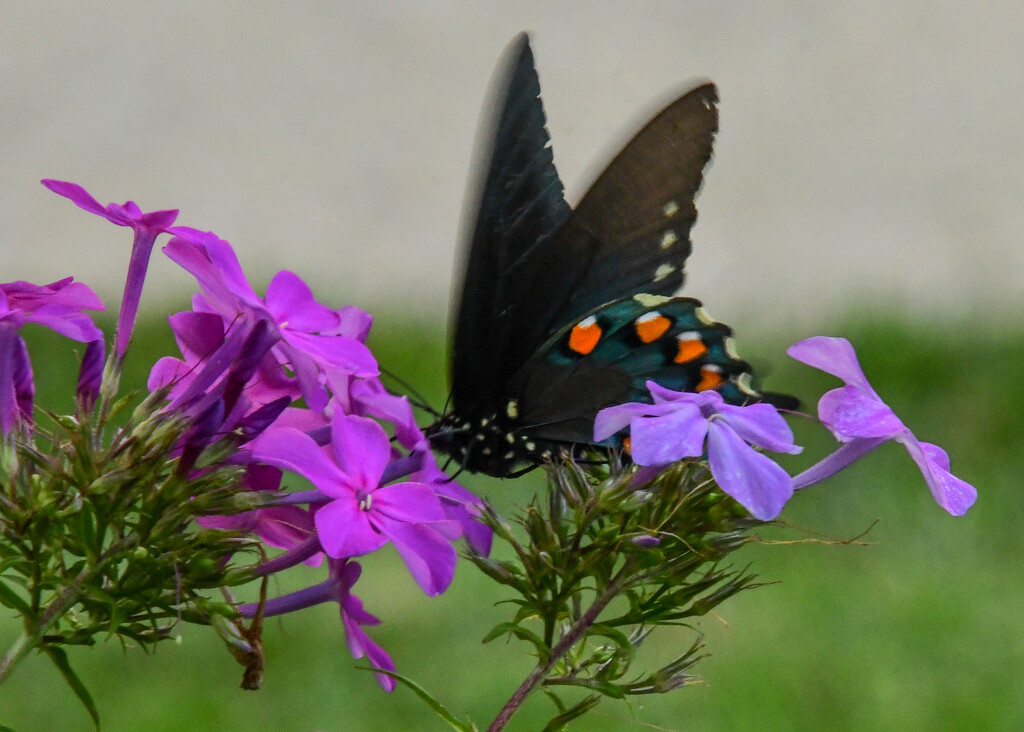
(562, 312)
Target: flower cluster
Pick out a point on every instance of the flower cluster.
(293, 384)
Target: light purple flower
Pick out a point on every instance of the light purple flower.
(676, 426)
(57, 306)
(858, 417)
(147, 227)
(363, 515)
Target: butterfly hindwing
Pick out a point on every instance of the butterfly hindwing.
(608, 356)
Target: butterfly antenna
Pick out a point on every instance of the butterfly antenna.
(415, 398)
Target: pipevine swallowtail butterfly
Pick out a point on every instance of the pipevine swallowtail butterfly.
(562, 312)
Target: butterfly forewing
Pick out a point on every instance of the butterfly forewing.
(518, 202)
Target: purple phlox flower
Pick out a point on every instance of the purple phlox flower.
(310, 338)
(199, 335)
(362, 515)
(858, 417)
(343, 574)
(147, 227)
(676, 426)
(57, 306)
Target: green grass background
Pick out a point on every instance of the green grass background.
(920, 629)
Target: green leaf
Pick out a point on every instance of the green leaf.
(560, 722)
(519, 632)
(60, 660)
(438, 707)
(13, 600)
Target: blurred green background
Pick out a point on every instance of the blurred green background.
(919, 629)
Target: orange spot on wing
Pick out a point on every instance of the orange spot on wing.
(690, 349)
(627, 445)
(652, 326)
(584, 336)
(710, 378)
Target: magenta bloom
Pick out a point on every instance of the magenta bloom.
(147, 226)
(343, 575)
(312, 340)
(57, 306)
(677, 425)
(362, 516)
(858, 417)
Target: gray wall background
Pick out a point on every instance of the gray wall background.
(868, 150)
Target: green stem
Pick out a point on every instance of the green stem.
(563, 646)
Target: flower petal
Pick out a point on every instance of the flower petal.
(951, 493)
(287, 448)
(833, 356)
(850, 412)
(761, 425)
(673, 436)
(361, 449)
(410, 502)
(337, 351)
(428, 555)
(753, 479)
(291, 303)
(345, 530)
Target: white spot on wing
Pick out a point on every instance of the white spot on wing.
(650, 301)
(663, 271)
(671, 209)
(668, 239)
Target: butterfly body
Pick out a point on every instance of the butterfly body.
(562, 312)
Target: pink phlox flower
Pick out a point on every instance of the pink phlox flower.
(57, 306)
(678, 424)
(362, 515)
(858, 417)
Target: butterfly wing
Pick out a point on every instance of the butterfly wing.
(631, 232)
(518, 203)
(537, 275)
